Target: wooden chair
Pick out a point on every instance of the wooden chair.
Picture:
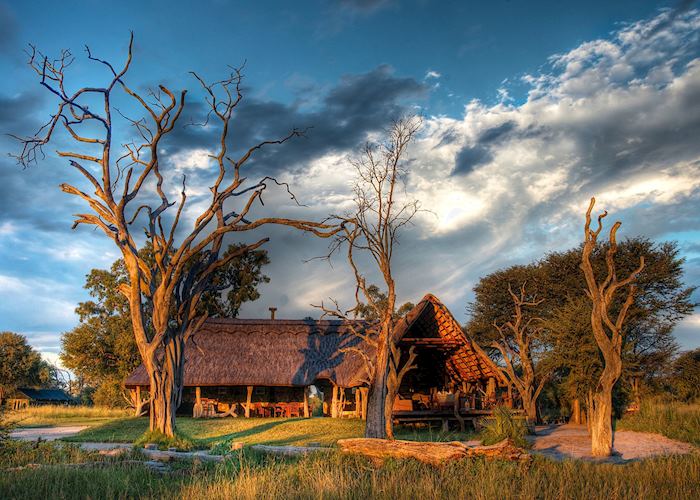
(293, 410)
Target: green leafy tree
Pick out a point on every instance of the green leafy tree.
(684, 379)
(235, 283)
(566, 342)
(369, 313)
(102, 349)
(20, 364)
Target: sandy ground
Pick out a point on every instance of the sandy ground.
(47, 433)
(572, 441)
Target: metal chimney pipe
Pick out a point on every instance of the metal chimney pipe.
(272, 312)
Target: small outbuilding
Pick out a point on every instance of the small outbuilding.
(24, 397)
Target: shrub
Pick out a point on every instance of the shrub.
(109, 394)
(5, 427)
(503, 424)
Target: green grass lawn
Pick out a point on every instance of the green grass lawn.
(205, 433)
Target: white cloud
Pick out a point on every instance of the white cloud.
(192, 159)
(615, 118)
(35, 301)
(7, 228)
(432, 74)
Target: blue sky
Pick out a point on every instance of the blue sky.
(529, 108)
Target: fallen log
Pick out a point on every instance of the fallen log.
(429, 452)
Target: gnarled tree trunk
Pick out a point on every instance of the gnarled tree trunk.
(165, 372)
(376, 402)
(607, 333)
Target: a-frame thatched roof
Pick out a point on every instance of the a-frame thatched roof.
(237, 352)
(431, 323)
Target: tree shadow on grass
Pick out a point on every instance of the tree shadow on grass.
(245, 433)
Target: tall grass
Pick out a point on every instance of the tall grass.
(674, 420)
(252, 475)
(35, 416)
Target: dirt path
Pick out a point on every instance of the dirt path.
(46, 433)
(572, 441)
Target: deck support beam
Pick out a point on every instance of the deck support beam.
(307, 413)
(491, 392)
(334, 402)
(248, 400)
(197, 410)
(365, 398)
(458, 416)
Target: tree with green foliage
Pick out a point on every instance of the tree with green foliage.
(684, 378)
(662, 299)
(20, 364)
(235, 283)
(369, 313)
(102, 349)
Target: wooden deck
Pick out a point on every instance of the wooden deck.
(444, 416)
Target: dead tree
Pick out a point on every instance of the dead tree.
(608, 333)
(134, 188)
(515, 347)
(381, 210)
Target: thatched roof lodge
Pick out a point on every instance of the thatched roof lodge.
(261, 365)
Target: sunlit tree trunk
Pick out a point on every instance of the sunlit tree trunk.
(607, 333)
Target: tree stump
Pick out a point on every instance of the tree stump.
(431, 453)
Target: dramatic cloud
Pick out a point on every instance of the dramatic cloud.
(503, 183)
(506, 183)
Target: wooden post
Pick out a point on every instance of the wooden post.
(249, 397)
(358, 403)
(306, 402)
(491, 390)
(197, 411)
(365, 393)
(457, 408)
(334, 402)
(510, 396)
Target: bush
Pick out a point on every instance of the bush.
(5, 427)
(109, 394)
(503, 425)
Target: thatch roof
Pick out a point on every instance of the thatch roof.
(269, 353)
(466, 361)
(235, 352)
